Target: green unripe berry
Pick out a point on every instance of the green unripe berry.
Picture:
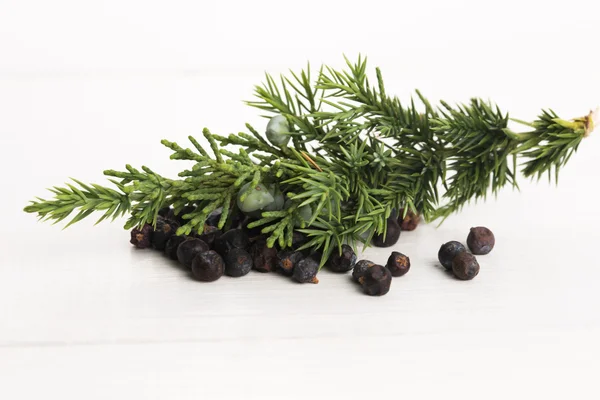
(278, 201)
(255, 200)
(305, 212)
(278, 130)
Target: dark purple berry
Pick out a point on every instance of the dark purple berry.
(189, 249)
(287, 260)
(398, 264)
(235, 218)
(209, 235)
(465, 266)
(447, 253)
(263, 256)
(172, 246)
(391, 237)
(253, 233)
(299, 239)
(179, 216)
(481, 240)
(343, 262)
(165, 212)
(232, 239)
(306, 271)
(142, 238)
(208, 266)
(163, 232)
(238, 262)
(317, 256)
(410, 221)
(360, 268)
(376, 280)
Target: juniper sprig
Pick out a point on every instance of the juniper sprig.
(356, 154)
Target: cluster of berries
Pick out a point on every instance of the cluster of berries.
(464, 265)
(235, 252)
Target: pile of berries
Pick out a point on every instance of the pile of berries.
(214, 253)
(455, 258)
(237, 251)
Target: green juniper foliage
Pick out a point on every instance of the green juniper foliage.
(355, 154)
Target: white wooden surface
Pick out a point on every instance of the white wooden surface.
(84, 315)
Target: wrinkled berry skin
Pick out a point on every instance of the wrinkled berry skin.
(142, 238)
(398, 264)
(287, 260)
(342, 262)
(392, 234)
(481, 240)
(163, 232)
(465, 266)
(238, 262)
(410, 222)
(188, 250)
(263, 257)
(233, 238)
(376, 280)
(306, 271)
(172, 246)
(360, 268)
(447, 253)
(208, 266)
(209, 235)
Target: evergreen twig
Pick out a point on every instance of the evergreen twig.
(357, 153)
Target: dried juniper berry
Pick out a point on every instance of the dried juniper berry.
(165, 212)
(232, 239)
(208, 266)
(238, 262)
(465, 266)
(398, 264)
(391, 237)
(163, 232)
(360, 268)
(179, 216)
(343, 262)
(410, 221)
(263, 256)
(189, 249)
(376, 280)
(287, 260)
(316, 255)
(481, 240)
(447, 253)
(209, 234)
(306, 271)
(235, 219)
(299, 239)
(172, 246)
(142, 238)
(253, 233)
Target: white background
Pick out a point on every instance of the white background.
(86, 86)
